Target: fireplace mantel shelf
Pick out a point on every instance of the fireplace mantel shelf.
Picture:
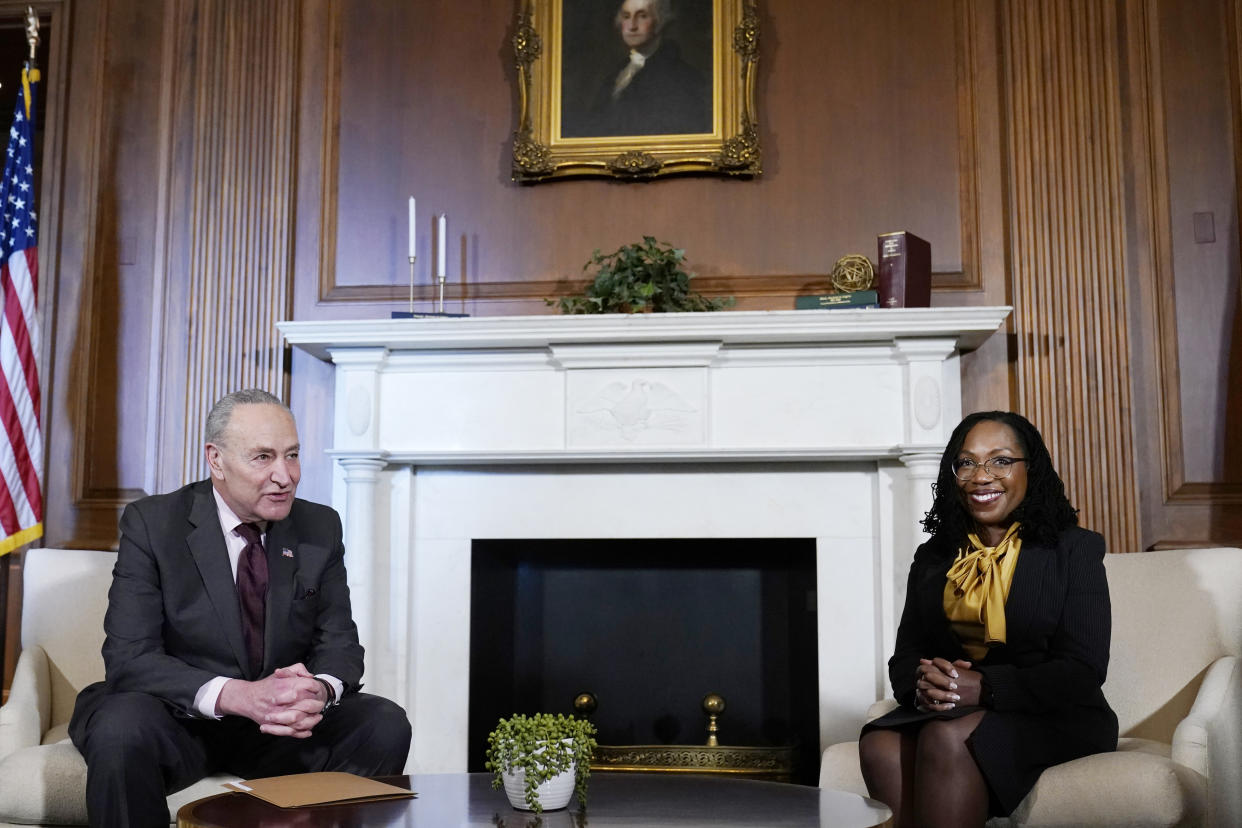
(968, 326)
(838, 454)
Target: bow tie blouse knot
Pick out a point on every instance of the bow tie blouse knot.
(979, 584)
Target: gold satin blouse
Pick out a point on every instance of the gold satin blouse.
(976, 590)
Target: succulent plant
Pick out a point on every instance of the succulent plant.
(543, 745)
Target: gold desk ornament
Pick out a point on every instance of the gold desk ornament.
(775, 764)
(853, 272)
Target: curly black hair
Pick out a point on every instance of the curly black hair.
(1045, 510)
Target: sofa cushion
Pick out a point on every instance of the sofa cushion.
(46, 784)
(1135, 786)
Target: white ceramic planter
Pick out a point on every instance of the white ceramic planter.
(553, 794)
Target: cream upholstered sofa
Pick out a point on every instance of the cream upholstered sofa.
(42, 775)
(1175, 680)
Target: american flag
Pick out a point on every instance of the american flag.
(21, 444)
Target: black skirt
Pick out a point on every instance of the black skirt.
(1013, 749)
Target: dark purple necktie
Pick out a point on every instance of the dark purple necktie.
(252, 590)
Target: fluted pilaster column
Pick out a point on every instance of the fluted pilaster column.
(1067, 236)
(361, 560)
(240, 117)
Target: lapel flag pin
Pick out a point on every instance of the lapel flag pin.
(287, 552)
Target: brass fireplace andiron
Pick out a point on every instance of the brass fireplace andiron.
(771, 763)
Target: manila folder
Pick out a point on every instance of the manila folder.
(318, 789)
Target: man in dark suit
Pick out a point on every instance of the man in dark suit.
(230, 644)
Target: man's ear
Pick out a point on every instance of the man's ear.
(214, 461)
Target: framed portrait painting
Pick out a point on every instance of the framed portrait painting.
(636, 88)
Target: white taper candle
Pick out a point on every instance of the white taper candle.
(442, 228)
(413, 228)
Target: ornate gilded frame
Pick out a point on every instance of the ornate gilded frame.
(541, 153)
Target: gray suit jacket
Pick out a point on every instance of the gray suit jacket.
(174, 619)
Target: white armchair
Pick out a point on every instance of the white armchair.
(65, 594)
(1175, 680)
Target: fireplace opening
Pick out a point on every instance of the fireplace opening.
(649, 627)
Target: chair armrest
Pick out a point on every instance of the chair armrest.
(1209, 739)
(881, 707)
(27, 714)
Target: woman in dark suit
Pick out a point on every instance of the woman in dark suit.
(1003, 642)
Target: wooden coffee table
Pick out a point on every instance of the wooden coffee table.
(616, 801)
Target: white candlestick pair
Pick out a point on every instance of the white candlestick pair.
(441, 250)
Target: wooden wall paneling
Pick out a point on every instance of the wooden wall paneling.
(1177, 508)
(169, 157)
(1068, 243)
(84, 410)
(763, 241)
(1200, 121)
(970, 38)
(231, 204)
(986, 375)
(1151, 259)
(111, 412)
(240, 260)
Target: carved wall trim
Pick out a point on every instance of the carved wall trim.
(1068, 249)
(967, 43)
(330, 160)
(88, 494)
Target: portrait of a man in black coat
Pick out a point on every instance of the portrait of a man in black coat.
(652, 82)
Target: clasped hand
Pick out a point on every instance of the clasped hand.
(289, 702)
(940, 685)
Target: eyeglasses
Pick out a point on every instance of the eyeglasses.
(997, 468)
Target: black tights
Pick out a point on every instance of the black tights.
(926, 773)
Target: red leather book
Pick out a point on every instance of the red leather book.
(905, 271)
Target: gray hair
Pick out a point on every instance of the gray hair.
(661, 10)
(222, 411)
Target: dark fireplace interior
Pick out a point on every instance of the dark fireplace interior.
(649, 627)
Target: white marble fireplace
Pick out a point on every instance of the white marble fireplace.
(791, 424)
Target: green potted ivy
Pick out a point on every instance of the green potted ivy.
(541, 760)
(639, 278)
